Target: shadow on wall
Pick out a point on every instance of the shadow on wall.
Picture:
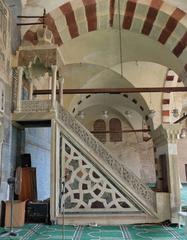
(37, 143)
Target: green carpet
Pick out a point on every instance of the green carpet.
(122, 232)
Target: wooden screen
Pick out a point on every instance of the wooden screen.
(115, 130)
(100, 126)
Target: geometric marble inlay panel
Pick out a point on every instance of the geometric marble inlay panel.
(86, 188)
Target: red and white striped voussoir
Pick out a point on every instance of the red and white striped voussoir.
(170, 81)
(155, 18)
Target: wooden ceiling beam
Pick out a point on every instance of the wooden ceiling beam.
(181, 119)
(112, 90)
(123, 131)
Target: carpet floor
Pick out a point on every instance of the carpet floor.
(121, 232)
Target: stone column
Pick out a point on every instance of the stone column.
(165, 142)
(53, 178)
(54, 79)
(61, 83)
(30, 89)
(19, 89)
(175, 200)
(1, 142)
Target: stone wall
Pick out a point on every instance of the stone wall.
(135, 153)
(6, 164)
(15, 10)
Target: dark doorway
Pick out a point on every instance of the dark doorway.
(186, 171)
(162, 174)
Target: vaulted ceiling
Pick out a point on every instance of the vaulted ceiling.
(101, 39)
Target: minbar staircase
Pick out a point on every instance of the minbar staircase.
(119, 175)
(116, 175)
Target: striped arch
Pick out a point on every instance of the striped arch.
(154, 18)
(171, 80)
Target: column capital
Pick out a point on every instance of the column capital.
(30, 80)
(172, 131)
(54, 68)
(61, 80)
(166, 133)
(20, 68)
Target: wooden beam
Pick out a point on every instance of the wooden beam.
(123, 131)
(31, 16)
(33, 23)
(112, 90)
(181, 119)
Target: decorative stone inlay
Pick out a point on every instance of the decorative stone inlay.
(86, 189)
(3, 23)
(35, 106)
(47, 57)
(14, 87)
(129, 178)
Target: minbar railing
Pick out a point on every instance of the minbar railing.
(128, 177)
(35, 106)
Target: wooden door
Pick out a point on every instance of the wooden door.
(28, 185)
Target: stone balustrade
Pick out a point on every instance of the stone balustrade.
(131, 180)
(35, 106)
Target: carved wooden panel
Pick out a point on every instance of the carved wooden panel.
(115, 130)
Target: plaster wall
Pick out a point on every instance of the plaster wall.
(179, 3)
(147, 74)
(138, 156)
(37, 7)
(6, 163)
(15, 10)
(132, 151)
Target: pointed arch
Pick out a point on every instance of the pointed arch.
(115, 130)
(100, 130)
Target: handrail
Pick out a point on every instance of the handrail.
(144, 192)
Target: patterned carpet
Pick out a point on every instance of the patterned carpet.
(122, 232)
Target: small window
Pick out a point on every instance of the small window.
(100, 130)
(115, 130)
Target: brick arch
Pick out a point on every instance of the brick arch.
(154, 18)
